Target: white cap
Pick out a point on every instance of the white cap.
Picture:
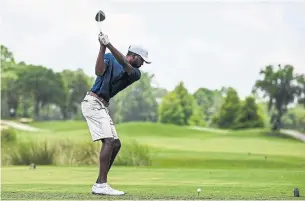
(139, 50)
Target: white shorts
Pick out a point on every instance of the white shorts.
(98, 119)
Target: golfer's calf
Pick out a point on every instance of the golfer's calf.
(105, 156)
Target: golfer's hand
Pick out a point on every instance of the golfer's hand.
(103, 38)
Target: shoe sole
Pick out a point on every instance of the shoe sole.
(106, 194)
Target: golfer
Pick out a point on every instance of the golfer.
(114, 73)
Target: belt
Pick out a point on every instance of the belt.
(99, 98)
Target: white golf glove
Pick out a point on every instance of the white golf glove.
(103, 38)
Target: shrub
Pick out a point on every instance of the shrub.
(133, 154)
(8, 135)
(27, 152)
(80, 153)
(8, 138)
(73, 153)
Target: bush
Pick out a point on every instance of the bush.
(27, 152)
(133, 154)
(8, 135)
(82, 153)
(72, 153)
(8, 139)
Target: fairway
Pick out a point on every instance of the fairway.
(237, 165)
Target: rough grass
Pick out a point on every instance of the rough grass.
(61, 152)
(248, 164)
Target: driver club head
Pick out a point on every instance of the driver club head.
(100, 16)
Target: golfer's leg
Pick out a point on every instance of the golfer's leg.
(110, 149)
(105, 156)
(116, 149)
(99, 123)
(105, 134)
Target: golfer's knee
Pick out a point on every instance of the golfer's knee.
(109, 141)
(117, 144)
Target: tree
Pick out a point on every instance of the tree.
(43, 85)
(301, 93)
(186, 101)
(198, 116)
(295, 118)
(263, 110)
(76, 84)
(281, 89)
(9, 86)
(170, 110)
(159, 93)
(249, 116)
(229, 111)
(8, 65)
(6, 55)
(180, 101)
(209, 101)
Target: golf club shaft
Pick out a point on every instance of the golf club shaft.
(100, 27)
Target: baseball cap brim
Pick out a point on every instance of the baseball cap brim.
(146, 59)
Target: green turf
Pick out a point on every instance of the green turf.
(247, 164)
(149, 183)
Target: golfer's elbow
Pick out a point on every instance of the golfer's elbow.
(100, 67)
(99, 70)
(99, 73)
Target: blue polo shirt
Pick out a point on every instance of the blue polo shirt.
(114, 79)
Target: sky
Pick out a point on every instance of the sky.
(202, 43)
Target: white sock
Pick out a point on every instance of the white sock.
(103, 185)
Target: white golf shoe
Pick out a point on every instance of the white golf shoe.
(105, 189)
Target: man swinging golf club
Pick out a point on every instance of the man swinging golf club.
(114, 73)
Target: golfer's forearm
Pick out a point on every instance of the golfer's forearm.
(120, 58)
(100, 65)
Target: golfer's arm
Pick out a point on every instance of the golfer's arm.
(100, 66)
(121, 59)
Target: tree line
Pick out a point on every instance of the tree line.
(34, 91)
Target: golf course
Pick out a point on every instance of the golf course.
(152, 100)
(157, 161)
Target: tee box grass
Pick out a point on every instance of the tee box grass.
(237, 165)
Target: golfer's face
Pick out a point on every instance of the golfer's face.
(138, 62)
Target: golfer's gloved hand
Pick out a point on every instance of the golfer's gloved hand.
(103, 38)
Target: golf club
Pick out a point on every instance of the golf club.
(99, 17)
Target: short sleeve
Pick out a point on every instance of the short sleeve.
(135, 75)
(107, 59)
